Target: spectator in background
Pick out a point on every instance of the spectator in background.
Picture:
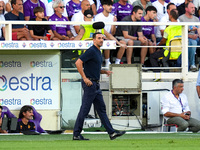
(100, 8)
(165, 18)
(73, 7)
(85, 5)
(177, 2)
(62, 32)
(148, 30)
(181, 8)
(87, 31)
(193, 33)
(143, 4)
(19, 32)
(25, 114)
(197, 5)
(38, 32)
(106, 16)
(2, 18)
(50, 10)
(170, 32)
(161, 7)
(122, 9)
(133, 35)
(29, 5)
(1, 131)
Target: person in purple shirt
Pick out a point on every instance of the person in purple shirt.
(148, 30)
(122, 9)
(61, 31)
(73, 7)
(29, 5)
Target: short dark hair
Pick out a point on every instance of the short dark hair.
(176, 81)
(95, 34)
(151, 8)
(106, 2)
(136, 8)
(14, 2)
(186, 5)
(25, 108)
(38, 9)
(168, 6)
(1, 107)
(174, 14)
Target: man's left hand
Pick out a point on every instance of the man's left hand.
(108, 73)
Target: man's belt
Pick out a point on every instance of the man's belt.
(95, 80)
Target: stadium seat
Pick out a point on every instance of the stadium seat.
(37, 119)
(7, 112)
(170, 59)
(168, 127)
(9, 121)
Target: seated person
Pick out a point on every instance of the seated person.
(29, 6)
(106, 16)
(176, 110)
(38, 31)
(72, 7)
(50, 10)
(133, 35)
(170, 32)
(1, 131)
(19, 32)
(87, 31)
(122, 9)
(148, 30)
(62, 32)
(2, 18)
(25, 114)
(143, 4)
(79, 17)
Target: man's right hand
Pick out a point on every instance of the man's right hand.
(186, 117)
(87, 82)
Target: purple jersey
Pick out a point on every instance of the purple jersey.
(122, 10)
(59, 28)
(72, 8)
(147, 29)
(29, 6)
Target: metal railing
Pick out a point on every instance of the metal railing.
(184, 74)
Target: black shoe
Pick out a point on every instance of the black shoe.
(80, 137)
(116, 134)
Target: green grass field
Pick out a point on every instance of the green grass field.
(160, 141)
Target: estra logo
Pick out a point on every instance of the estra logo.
(41, 101)
(43, 63)
(3, 83)
(26, 83)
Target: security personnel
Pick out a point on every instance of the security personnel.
(170, 32)
(92, 61)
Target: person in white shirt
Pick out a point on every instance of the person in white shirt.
(175, 108)
(106, 16)
(161, 7)
(165, 18)
(79, 17)
(177, 2)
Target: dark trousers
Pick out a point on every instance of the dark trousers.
(154, 58)
(91, 95)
